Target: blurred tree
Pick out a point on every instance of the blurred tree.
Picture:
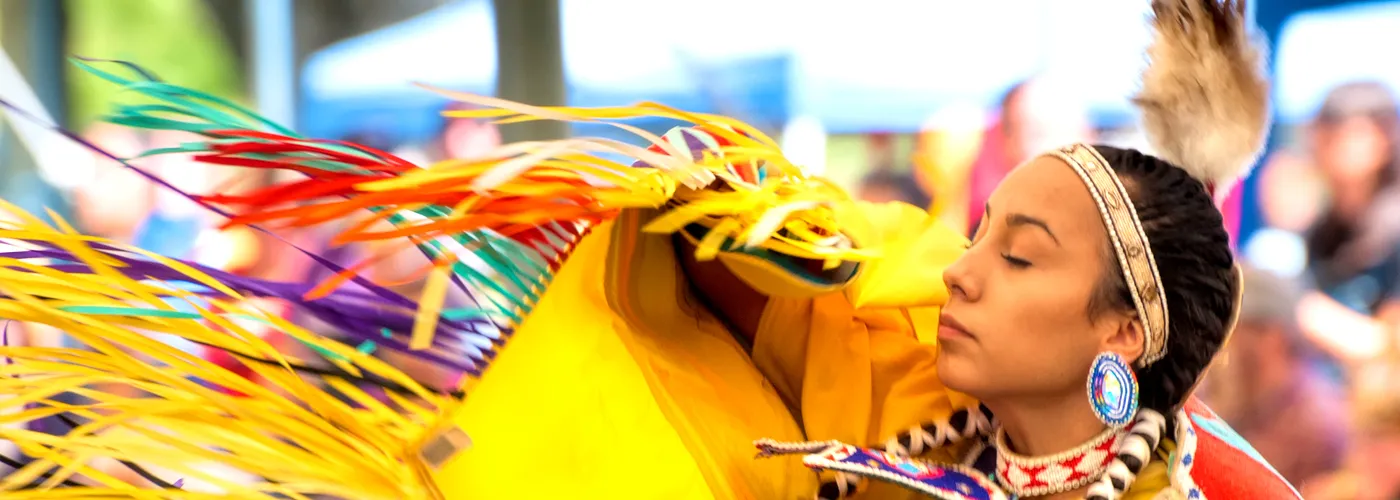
(179, 41)
(231, 16)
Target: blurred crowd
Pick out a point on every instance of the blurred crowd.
(1311, 377)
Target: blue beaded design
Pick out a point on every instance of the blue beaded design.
(1113, 390)
(941, 481)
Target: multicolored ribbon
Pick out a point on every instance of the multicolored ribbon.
(482, 221)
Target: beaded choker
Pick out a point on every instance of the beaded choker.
(1058, 473)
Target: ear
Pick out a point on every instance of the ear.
(1126, 339)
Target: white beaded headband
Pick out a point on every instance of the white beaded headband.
(1129, 244)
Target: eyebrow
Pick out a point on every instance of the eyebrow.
(1015, 219)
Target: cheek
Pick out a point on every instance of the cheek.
(1045, 327)
(1033, 336)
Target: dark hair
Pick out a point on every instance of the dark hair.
(1192, 250)
(1333, 233)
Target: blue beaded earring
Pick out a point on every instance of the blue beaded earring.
(1113, 390)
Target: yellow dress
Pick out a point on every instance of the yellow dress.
(619, 383)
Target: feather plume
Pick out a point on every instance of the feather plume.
(1204, 96)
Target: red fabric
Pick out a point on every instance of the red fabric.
(1230, 209)
(1223, 470)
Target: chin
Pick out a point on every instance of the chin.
(958, 371)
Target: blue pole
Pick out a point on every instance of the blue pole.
(273, 59)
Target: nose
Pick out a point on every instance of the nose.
(960, 278)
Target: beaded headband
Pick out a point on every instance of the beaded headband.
(1129, 243)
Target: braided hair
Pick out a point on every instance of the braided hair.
(1192, 251)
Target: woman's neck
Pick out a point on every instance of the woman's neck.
(1042, 427)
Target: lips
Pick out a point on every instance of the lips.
(950, 328)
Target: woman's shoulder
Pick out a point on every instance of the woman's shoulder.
(1207, 459)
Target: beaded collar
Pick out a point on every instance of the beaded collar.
(1058, 473)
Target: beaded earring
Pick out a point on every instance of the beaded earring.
(1113, 390)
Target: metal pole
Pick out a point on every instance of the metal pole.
(272, 64)
(272, 59)
(46, 58)
(530, 63)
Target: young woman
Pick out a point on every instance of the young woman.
(1109, 269)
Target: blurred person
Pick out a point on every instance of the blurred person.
(1035, 115)
(881, 151)
(112, 200)
(458, 138)
(1292, 192)
(1041, 113)
(463, 138)
(1290, 198)
(948, 145)
(884, 182)
(1372, 469)
(1268, 389)
(174, 224)
(883, 186)
(1354, 248)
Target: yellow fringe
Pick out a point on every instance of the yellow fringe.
(786, 212)
(296, 435)
(787, 199)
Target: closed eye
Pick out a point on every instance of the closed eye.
(1016, 262)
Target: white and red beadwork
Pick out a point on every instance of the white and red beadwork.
(1070, 470)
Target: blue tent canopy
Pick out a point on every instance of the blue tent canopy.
(365, 84)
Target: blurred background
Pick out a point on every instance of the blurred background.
(929, 102)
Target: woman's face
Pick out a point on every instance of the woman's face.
(1017, 321)
(1350, 150)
